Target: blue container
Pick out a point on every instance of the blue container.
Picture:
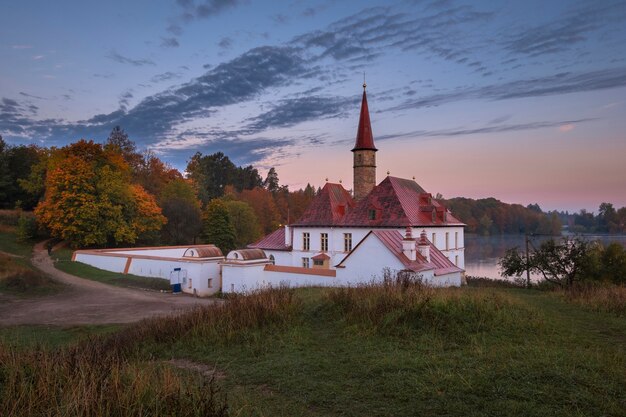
(176, 288)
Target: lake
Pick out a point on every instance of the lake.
(483, 252)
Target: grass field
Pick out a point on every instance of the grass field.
(17, 275)
(63, 261)
(384, 351)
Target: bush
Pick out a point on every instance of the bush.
(26, 227)
(9, 217)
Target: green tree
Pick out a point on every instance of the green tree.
(561, 263)
(182, 209)
(217, 227)
(244, 221)
(271, 181)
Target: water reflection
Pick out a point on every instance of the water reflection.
(483, 252)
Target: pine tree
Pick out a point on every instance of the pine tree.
(271, 182)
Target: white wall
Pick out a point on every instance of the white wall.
(248, 278)
(196, 272)
(108, 263)
(164, 252)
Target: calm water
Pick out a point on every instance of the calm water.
(483, 252)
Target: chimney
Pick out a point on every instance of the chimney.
(287, 235)
(408, 245)
(423, 246)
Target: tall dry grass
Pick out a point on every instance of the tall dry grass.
(110, 375)
(405, 307)
(18, 278)
(602, 298)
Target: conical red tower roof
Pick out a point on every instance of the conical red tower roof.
(364, 137)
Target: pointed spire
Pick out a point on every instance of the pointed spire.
(364, 137)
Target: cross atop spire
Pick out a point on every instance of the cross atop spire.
(364, 137)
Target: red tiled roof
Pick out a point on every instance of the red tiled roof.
(398, 202)
(328, 207)
(273, 241)
(392, 239)
(364, 137)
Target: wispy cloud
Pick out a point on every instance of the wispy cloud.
(170, 42)
(125, 60)
(166, 76)
(21, 46)
(484, 129)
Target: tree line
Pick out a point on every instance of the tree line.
(489, 216)
(608, 220)
(110, 194)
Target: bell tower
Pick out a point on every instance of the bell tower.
(364, 154)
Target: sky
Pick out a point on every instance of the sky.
(524, 101)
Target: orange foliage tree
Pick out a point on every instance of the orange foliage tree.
(89, 200)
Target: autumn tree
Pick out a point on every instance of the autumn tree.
(264, 207)
(89, 202)
(181, 207)
(119, 142)
(217, 227)
(16, 163)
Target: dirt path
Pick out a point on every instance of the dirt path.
(89, 302)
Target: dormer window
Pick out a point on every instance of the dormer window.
(434, 215)
(371, 214)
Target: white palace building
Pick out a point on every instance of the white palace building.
(340, 240)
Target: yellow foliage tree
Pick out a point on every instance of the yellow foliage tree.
(89, 200)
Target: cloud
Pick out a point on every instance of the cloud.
(175, 29)
(205, 8)
(566, 127)
(21, 46)
(573, 27)
(166, 76)
(563, 83)
(225, 43)
(280, 18)
(169, 42)
(124, 99)
(106, 75)
(32, 96)
(38, 57)
(125, 60)
(483, 130)
(290, 112)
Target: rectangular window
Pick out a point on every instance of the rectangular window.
(210, 282)
(324, 241)
(306, 241)
(456, 240)
(371, 214)
(318, 262)
(447, 240)
(434, 239)
(347, 242)
(305, 263)
(456, 260)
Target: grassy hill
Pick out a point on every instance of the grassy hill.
(397, 350)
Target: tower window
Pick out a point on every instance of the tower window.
(306, 241)
(456, 240)
(447, 240)
(272, 260)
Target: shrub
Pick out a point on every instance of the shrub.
(26, 227)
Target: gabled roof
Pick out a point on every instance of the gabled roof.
(328, 207)
(398, 202)
(392, 240)
(364, 137)
(273, 241)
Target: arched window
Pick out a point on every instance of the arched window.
(272, 260)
